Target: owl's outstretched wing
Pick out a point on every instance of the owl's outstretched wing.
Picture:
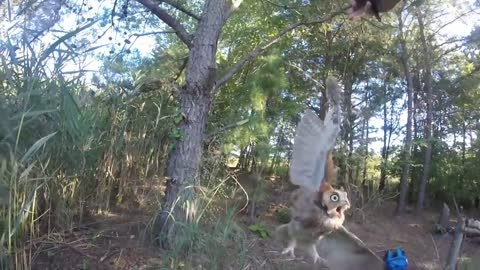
(307, 167)
(314, 138)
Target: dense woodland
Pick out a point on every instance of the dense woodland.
(186, 97)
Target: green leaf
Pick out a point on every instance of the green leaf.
(260, 230)
(37, 145)
(178, 118)
(31, 114)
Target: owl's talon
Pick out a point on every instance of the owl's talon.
(290, 249)
(316, 258)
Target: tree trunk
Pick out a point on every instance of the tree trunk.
(464, 146)
(347, 136)
(416, 149)
(242, 157)
(444, 218)
(277, 150)
(249, 157)
(195, 100)
(366, 132)
(350, 178)
(365, 159)
(402, 201)
(427, 162)
(454, 250)
(272, 164)
(383, 172)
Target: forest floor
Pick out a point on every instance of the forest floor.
(115, 241)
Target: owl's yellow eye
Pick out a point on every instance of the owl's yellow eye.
(334, 197)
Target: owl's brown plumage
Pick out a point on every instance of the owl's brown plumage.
(313, 215)
(316, 207)
(371, 7)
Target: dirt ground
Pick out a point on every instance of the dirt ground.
(117, 241)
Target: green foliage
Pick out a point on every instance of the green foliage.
(73, 144)
(282, 215)
(209, 240)
(260, 230)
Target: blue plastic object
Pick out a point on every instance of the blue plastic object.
(396, 259)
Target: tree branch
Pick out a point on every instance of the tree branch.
(261, 48)
(181, 69)
(169, 20)
(448, 51)
(460, 16)
(227, 127)
(151, 33)
(475, 70)
(181, 8)
(450, 41)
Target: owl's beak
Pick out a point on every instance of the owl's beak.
(345, 205)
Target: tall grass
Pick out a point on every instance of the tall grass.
(214, 235)
(65, 155)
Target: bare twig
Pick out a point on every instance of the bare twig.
(450, 41)
(152, 33)
(317, 83)
(181, 32)
(283, 6)
(181, 69)
(460, 16)
(436, 248)
(466, 76)
(457, 210)
(113, 11)
(182, 9)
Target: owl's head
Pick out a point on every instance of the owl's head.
(333, 201)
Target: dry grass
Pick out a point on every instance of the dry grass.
(120, 241)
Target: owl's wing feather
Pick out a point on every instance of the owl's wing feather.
(314, 138)
(307, 167)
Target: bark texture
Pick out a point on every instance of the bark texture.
(196, 96)
(179, 203)
(402, 202)
(427, 161)
(454, 250)
(387, 135)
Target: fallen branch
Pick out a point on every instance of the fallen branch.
(472, 223)
(444, 216)
(472, 228)
(471, 232)
(442, 226)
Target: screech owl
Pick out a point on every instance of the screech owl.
(316, 207)
(313, 215)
